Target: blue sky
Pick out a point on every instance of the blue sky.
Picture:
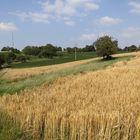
(68, 22)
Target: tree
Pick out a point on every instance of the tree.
(89, 48)
(48, 51)
(10, 49)
(59, 49)
(21, 58)
(131, 48)
(1, 60)
(105, 47)
(7, 57)
(70, 50)
(32, 50)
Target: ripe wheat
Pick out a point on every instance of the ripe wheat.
(101, 105)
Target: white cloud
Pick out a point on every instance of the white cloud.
(7, 26)
(135, 7)
(70, 23)
(68, 7)
(88, 37)
(39, 17)
(58, 9)
(91, 6)
(107, 21)
(35, 17)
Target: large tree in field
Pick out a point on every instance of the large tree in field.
(106, 46)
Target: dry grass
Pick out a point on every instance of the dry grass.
(101, 105)
(14, 74)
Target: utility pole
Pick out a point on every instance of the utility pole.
(75, 52)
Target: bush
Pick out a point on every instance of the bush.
(1, 61)
(21, 58)
(6, 58)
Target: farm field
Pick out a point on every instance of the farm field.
(15, 80)
(65, 58)
(85, 100)
(69, 70)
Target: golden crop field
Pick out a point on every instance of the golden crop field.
(14, 74)
(100, 105)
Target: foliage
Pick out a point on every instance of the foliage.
(31, 50)
(21, 58)
(59, 49)
(9, 57)
(89, 48)
(32, 53)
(11, 49)
(119, 50)
(48, 51)
(105, 47)
(42, 51)
(70, 50)
(2, 61)
(131, 48)
(6, 57)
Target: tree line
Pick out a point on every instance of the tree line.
(10, 54)
(103, 46)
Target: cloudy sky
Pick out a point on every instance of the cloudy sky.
(68, 22)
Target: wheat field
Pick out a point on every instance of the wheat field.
(100, 105)
(14, 74)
